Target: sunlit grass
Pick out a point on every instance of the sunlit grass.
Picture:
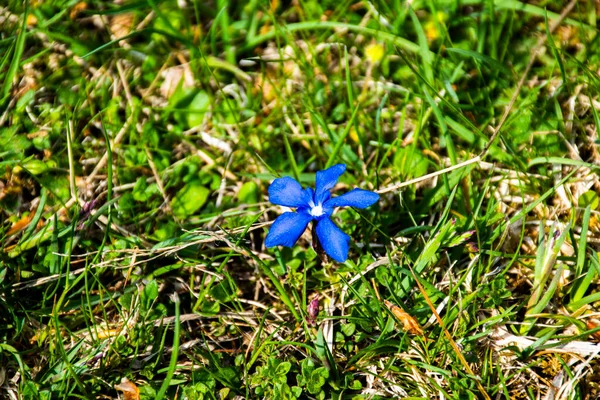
(137, 144)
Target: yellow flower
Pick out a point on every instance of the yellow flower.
(374, 52)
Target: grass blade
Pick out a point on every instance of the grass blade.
(16, 58)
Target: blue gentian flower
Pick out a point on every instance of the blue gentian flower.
(314, 205)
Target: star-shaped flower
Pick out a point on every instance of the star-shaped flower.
(314, 205)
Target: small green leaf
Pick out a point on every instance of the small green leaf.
(317, 380)
(296, 391)
(209, 307)
(349, 329)
(249, 193)
(223, 292)
(147, 392)
(149, 294)
(189, 199)
(339, 113)
(283, 368)
(589, 198)
(307, 366)
(58, 185)
(164, 231)
(197, 108)
(25, 100)
(29, 390)
(142, 191)
(13, 143)
(355, 385)
(35, 167)
(126, 300)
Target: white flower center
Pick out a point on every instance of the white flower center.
(316, 211)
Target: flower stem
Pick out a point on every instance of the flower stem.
(276, 282)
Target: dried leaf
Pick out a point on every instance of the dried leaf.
(130, 391)
(78, 9)
(121, 25)
(19, 225)
(107, 333)
(593, 323)
(172, 78)
(409, 324)
(37, 134)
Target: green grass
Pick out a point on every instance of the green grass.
(137, 144)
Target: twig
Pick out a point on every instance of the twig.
(429, 176)
(159, 182)
(502, 338)
(125, 84)
(457, 350)
(116, 140)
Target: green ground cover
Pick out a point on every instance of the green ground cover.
(138, 140)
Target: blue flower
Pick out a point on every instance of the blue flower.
(314, 205)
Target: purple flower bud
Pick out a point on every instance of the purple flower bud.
(313, 311)
(472, 247)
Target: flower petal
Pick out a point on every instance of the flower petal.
(358, 198)
(287, 192)
(326, 180)
(286, 229)
(335, 242)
